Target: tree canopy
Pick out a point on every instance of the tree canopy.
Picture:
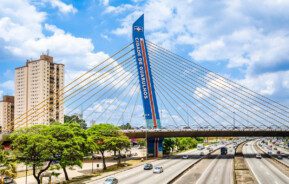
(75, 119)
(107, 137)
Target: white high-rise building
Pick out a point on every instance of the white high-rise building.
(38, 95)
(7, 113)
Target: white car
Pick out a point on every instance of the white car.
(185, 156)
(258, 156)
(158, 169)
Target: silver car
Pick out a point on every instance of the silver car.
(158, 169)
(111, 180)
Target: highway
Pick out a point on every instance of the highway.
(284, 160)
(172, 167)
(264, 171)
(214, 171)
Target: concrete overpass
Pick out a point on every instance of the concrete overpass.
(143, 133)
(205, 133)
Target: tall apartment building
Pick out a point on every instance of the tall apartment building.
(7, 113)
(38, 95)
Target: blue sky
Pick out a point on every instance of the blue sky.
(247, 41)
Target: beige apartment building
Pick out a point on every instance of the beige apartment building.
(38, 95)
(7, 113)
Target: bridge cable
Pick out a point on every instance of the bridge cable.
(268, 116)
(171, 92)
(90, 81)
(77, 85)
(127, 104)
(119, 104)
(57, 91)
(137, 99)
(232, 83)
(108, 97)
(200, 92)
(165, 79)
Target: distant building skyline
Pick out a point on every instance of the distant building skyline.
(37, 87)
(7, 113)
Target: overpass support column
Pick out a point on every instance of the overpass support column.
(151, 113)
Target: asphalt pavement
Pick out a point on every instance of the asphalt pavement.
(264, 171)
(172, 167)
(216, 170)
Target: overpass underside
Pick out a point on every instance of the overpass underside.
(205, 133)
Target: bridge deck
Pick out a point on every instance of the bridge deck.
(206, 133)
(197, 133)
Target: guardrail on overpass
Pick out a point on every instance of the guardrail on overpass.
(204, 133)
(197, 133)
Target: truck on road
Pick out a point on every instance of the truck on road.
(224, 151)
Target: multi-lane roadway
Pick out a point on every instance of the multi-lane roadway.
(218, 169)
(263, 170)
(172, 167)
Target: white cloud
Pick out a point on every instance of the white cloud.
(118, 9)
(268, 83)
(61, 6)
(8, 85)
(77, 53)
(250, 35)
(105, 2)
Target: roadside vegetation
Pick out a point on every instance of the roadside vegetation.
(180, 144)
(42, 147)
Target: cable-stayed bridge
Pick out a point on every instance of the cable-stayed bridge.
(164, 95)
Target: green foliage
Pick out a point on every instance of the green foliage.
(126, 126)
(182, 143)
(107, 137)
(141, 142)
(169, 145)
(185, 143)
(200, 139)
(7, 164)
(70, 144)
(75, 119)
(35, 147)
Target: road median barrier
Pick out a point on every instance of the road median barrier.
(242, 174)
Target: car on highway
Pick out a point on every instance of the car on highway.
(185, 156)
(8, 180)
(279, 157)
(148, 166)
(258, 156)
(158, 169)
(111, 180)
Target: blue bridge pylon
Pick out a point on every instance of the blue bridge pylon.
(150, 106)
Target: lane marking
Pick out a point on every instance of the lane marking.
(249, 164)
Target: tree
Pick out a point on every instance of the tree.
(8, 165)
(141, 142)
(126, 126)
(70, 144)
(185, 143)
(75, 119)
(119, 143)
(34, 146)
(106, 137)
(168, 145)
